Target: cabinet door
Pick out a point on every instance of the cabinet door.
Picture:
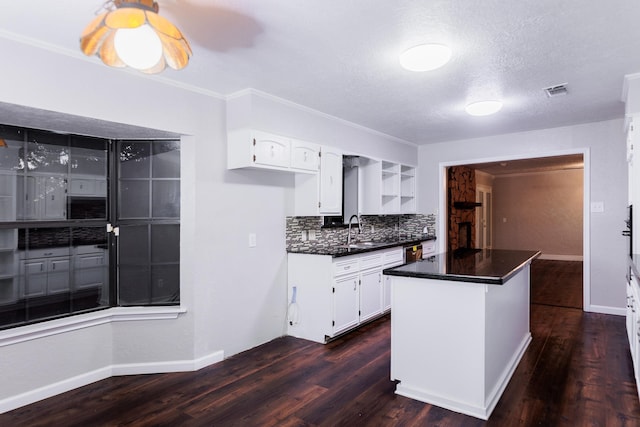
(89, 271)
(330, 182)
(82, 187)
(27, 200)
(55, 200)
(370, 294)
(271, 150)
(58, 280)
(34, 281)
(345, 303)
(304, 156)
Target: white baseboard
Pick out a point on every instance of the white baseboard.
(14, 402)
(618, 311)
(556, 257)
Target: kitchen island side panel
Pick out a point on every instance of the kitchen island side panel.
(456, 344)
(437, 341)
(507, 332)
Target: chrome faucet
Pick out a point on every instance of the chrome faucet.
(359, 227)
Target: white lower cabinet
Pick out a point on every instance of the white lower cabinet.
(345, 304)
(390, 258)
(53, 271)
(90, 268)
(45, 273)
(335, 295)
(370, 294)
(633, 324)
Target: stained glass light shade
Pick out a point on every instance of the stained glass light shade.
(134, 35)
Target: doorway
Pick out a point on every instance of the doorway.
(543, 167)
(484, 227)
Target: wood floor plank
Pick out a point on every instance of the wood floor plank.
(577, 371)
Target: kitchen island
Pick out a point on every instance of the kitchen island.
(459, 327)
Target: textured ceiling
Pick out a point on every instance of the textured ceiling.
(341, 57)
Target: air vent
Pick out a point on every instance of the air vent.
(556, 90)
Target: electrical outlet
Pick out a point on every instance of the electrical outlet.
(312, 234)
(252, 240)
(303, 235)
(373, 230)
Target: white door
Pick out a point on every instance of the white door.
(484, 232)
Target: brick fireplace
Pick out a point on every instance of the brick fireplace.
(461, 196)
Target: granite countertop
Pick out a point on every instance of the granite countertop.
(490, 266)
(339, 251)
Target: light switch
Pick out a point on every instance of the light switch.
(312, 234)
(252, 240)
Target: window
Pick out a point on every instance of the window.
(58, 193)
(148, 217)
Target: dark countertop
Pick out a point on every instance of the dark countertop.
(335, 251)
(490, 266)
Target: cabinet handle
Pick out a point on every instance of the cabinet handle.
(53, 266)
(305, 156)
(355, 285)
(347, 267)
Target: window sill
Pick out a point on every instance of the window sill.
(81, 321)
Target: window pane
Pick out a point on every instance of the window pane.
(165, 282)
(10, 145)
(166, 159)
(166, 199)
(47, 152)
(133, 245)
(134, 159)
(134, 199)
(149, 271)
(165, 243)
(50, 272)
(89, 157)
(134, 285)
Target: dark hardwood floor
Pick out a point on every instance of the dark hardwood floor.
(576, 372)
(557, 283)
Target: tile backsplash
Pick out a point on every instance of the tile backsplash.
(374, 227)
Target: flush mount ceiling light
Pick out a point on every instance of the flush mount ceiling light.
(131, 33)
(483, 108)
(425, 57)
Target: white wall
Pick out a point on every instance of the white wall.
(234, 296)
(540, 210)
(604, 143)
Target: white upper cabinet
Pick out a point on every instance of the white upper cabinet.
(248, 148)
(271, 150)
(321, 193)
(305, 156)
(330, 182)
